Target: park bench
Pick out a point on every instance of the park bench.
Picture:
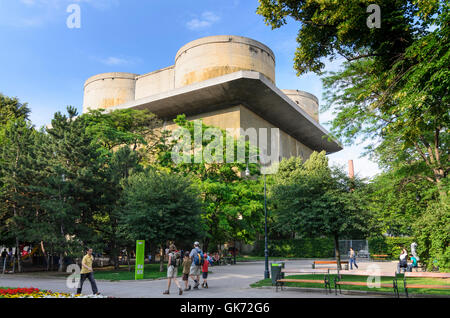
(425, 275)
(326, 281)
(338, 282)
(315, 263)
(379, 257)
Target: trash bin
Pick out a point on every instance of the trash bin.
(275, 271)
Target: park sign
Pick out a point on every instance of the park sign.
(139, 268)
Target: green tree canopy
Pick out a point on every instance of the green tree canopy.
(393, 90)
(161, 207)
(318, 201)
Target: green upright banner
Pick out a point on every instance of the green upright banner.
(140, 251)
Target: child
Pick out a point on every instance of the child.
(186, 268)
(205, 271)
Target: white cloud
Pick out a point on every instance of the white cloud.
(114, 61)
(207, 19)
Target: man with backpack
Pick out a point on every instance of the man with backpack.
(197, 258)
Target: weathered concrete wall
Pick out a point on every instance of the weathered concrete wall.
(241, 117)
(155, 82)
(223, 118)
(108, 89)
(306, 101)
(289, 146)
(214, 56)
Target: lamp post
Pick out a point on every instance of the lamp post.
(266, 249)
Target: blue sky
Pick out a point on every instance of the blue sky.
(45, 63)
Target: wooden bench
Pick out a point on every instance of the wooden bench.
(338, 282)
(315, 263)
(379, 257)
(425, 275)
(326, 281)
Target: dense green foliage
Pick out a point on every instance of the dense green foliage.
(433, 236)
(301, 248)
(106, 179)
(392, 92)
(391, 246)
(232, 205)
(311, 199)
(160, 207)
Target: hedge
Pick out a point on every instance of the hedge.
(391, 246)
(304, 248)
(324, 247)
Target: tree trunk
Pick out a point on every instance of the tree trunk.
(205, 244)
(161, 258)
(61, 262)
(19, 265)
(338, 254)
(115, 251)
(128, 260)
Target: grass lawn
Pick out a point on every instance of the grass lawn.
(151, 271)
(388, 280)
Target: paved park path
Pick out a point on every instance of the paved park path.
(227, 281)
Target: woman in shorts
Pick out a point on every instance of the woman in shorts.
(172, 270)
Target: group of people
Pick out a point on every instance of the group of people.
(194, 263)
(403, 263)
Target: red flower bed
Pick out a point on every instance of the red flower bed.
(15, 291)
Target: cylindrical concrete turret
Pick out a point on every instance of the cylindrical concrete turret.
(108, 89)
(215, 56)
(306, 101)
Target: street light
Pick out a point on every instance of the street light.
(266, 249)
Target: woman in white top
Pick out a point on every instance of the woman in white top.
(403, 260)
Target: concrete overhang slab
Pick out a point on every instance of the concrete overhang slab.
(254, 91)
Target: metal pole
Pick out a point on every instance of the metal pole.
(266, 250)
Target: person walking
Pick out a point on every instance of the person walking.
(87, 272)
(196, 256)
(172, 269)
(205, 271)
(352, 258)
(186, 270)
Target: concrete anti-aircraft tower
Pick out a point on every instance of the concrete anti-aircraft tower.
(229, 82)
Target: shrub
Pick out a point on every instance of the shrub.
(304, 248)
(391, 246)
(433, 236)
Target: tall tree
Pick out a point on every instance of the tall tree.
(397, 203)
(393, 89)
(220, 183)
(12, 108)
(161, 207)
(72, 187)
(318, 201)
(18, 137)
